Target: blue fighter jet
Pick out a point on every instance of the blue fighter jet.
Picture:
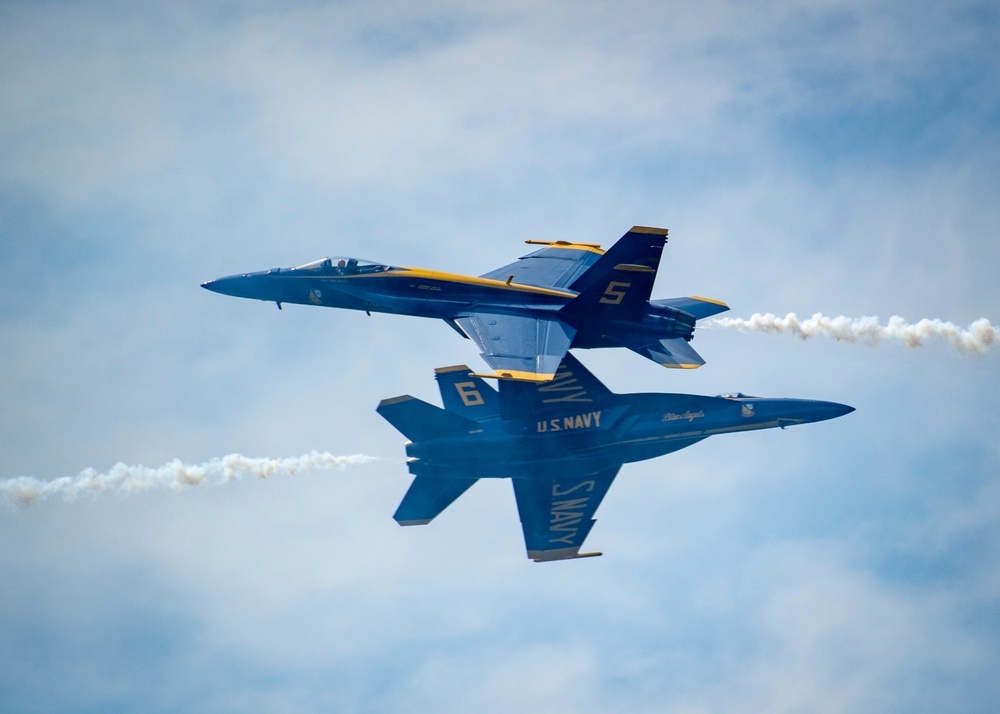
(561, 442)
(523, 316)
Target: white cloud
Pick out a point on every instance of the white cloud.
(752, 571)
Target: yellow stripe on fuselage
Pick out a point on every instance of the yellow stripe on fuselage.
(404, 272)
(401, 271)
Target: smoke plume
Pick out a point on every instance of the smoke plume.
(125, 480)
(977, 338)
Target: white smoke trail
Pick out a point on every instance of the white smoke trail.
(977, 338)
(125, 480)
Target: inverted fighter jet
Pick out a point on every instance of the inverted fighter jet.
(561, 442)
(523, 316)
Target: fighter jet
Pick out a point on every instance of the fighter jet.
(560, 442)
(523, 316)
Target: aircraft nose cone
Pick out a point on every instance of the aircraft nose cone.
(232, 285)
(245, 286)
(840, 409)
(790, 412)
(821, 411)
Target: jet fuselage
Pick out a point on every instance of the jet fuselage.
(372, 287)
(359, 285)
(561, 443)
(523, 316)
(605, 434)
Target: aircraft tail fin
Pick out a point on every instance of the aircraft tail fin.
(462, 392)
(619, 284)
(427, 497)
(572, 387)
(465, 394)
(417, 420)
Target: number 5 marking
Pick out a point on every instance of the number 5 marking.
(614, 296)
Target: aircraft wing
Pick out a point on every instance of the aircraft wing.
(557, 512)
(557, 265)
(519, 347)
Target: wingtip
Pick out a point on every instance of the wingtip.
(519, 376)
(551, 556)
(515, 376)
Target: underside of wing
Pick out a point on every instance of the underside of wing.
(555, 266)
(519, 347)
(557, 512)
(674, 352)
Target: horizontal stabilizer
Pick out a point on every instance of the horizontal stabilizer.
(417, 420)
(465, 394)
(698, 307)
(675, 352)
(427, 497)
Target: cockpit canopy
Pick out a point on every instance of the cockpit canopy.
(736, 395)
(342, 266)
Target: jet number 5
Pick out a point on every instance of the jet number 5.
(614, 293)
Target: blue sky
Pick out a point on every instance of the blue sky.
(836, 157)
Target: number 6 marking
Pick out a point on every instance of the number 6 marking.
(469, 394)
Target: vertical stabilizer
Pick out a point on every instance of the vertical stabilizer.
(465, 394)
(618, 285)
(417, 420)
